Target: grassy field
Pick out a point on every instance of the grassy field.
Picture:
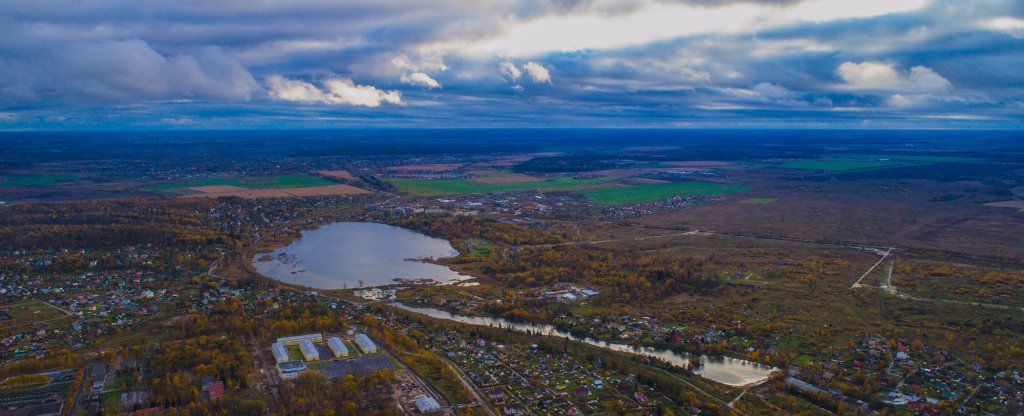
(295, 353)
(758, 201)
(838, 165)
(35, 180)
(1018, 191)
(282, 181)
(29, 312)
(479, 247)
(659, 191)
(421, 187)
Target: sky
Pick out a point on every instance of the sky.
(196, 64)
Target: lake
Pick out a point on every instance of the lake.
(358, 254)
(725, 370)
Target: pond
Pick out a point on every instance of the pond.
(346, 255)
(725, 370)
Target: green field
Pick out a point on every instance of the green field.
(758, 201)
(479, 247)
(422, 187)
(35, 180)
(29, 312)
(1018, 191)
(911, 158)
(282, 181)
(659, 191)
(838, 165)
(295, 353)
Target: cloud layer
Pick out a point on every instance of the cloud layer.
(96, 63)
(335, 90)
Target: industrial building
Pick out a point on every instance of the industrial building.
(280, 352)
(297, 339)
(291, 369)
(337, 347)
(426, 404)
(365, 344)
(309, 351)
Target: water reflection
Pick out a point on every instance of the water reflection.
(358, 254)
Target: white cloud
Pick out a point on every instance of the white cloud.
(429, 61)
(827, 10)
(336, 90)
(1011, 25)
(177, 120)
(279, 49)
(770, 91)
(344, 91)
(900, 100)
(875, 76)
(959, 117)
(509, 69)
(421, 79)
(285, 89)
(126, 71)
(601, 28)
(537, 72)
(8, 117)
(691, 74)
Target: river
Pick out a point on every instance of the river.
(725, 370)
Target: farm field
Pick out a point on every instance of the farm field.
(698, 164)
(838, 165)
(911, 158)
(758, 201)
(35, 180)
(338, 174)
(281, 181)
(502, 177)
(217, 191)
(1008, 204)
(658, 191)
(432, 167)
(420, 187)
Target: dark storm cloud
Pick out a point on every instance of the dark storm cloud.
(68, 63)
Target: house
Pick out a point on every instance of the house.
(640, 397)
(211, 388)
(427, 404)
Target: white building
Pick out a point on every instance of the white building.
(309, 351)
(298, 339)
(291, 369)
(337, 347)
(280, 352)
(365, 344)
(427, 404)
